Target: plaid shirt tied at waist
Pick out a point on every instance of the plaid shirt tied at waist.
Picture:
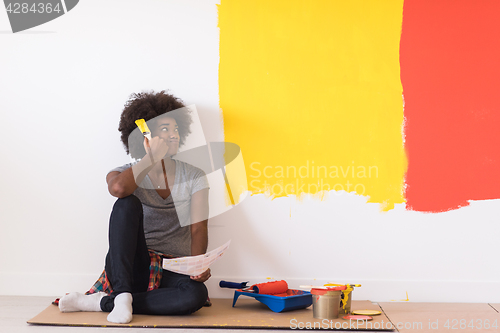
(155, 275)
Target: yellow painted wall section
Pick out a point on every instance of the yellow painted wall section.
(311, 92)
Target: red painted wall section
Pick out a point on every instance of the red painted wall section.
(450, 71)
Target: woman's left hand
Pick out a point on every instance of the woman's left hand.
(202, 277)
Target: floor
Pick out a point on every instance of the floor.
(16, 310)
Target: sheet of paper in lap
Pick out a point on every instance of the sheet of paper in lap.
(195, 265)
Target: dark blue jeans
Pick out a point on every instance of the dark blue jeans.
(127, 268)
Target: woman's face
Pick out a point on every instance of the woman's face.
(167, 129)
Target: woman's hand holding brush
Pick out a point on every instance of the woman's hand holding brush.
(156, 148)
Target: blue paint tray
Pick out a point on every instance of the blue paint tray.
(294, 299)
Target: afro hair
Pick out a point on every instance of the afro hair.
(148, 106)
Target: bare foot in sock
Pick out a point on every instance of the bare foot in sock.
(80, 302)
(122, 311)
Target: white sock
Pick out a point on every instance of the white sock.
(80, 302)
(122, 311)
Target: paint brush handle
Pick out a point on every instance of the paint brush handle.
(164, 173)
(148, 150)
(311, 287)
(343, 284)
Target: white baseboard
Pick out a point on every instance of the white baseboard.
(387, 291)
(43, 284)
(40, 284)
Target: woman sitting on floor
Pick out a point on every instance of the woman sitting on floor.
(161, 211)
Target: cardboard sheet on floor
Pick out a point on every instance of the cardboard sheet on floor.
(248, 313)
(442, 317)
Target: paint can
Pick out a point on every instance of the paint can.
(326, 302)
(347, 308)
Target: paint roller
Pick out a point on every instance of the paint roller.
(268, 288)
(233, 285)
(271, 288)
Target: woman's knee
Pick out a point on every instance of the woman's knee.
(128, 203)
(127, 213)
(129, 206)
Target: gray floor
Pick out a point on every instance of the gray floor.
(16, 310)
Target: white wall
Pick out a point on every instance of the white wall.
(63, 85)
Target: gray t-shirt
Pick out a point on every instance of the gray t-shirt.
(167, 222)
